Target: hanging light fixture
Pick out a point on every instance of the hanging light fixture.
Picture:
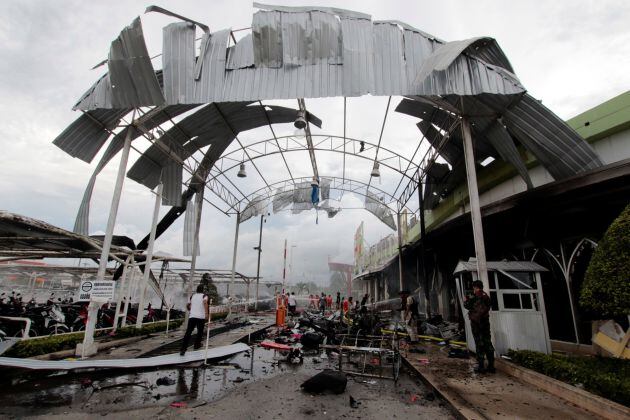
(300, 121)
(375, 171)
(241, 172)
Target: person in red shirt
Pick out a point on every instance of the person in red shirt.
(329, 302)
(346, 305)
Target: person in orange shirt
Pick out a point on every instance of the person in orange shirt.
(329, 302)
(346, 305)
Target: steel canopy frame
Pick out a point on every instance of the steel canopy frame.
(347, 185)
(293, 144)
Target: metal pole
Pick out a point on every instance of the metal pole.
(258, 266)
(400, 268)
(205, 355)
(425, 279)
(88, 338)
(475, 211)
(121, 292)
(238, 223)
(284, 267)
(195, 250)
(147, 266)
(130, 285)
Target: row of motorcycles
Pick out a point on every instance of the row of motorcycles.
(58, 317)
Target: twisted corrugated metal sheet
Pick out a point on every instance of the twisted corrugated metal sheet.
(189, 229)
(303, 53)
(214, 124)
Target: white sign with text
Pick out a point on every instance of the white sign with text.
(102, 290)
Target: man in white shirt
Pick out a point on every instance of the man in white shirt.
(292, 304)
(199, 312)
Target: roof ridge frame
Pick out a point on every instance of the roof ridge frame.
(342, 13)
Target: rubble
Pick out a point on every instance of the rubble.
(327, 380)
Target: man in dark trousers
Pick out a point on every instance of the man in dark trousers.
(478, 306)
(199, 312)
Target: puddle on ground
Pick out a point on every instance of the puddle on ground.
(104, 391)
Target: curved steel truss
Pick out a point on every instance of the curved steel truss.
(321, 142)
(336, 183)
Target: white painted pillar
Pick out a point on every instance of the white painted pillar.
(149, 258)
(262, 218)
(121, 292)
(130, 282)
(475, 211)
(231, 290)
(88, 348)
(400, 244)
(195, 249)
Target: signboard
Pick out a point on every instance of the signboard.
(102, 290)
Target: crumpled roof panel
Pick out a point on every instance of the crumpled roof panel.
(308, 52)
(88, 133)
(374, 205)
(178, 61)
(149, 121)
(214, 124)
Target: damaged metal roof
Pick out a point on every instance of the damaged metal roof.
(307, 52)
(313, 52)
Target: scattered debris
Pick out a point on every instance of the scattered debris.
(180, 404)
(165, 380)
(142, 384)
(417, 350)
(311, 340)
(458, 353)
(429, 396)
(327, 380)
(295, 356)
(238, 380)
(354, 403)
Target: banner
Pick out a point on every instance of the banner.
(358, 247)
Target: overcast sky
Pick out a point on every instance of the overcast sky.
(571, 54)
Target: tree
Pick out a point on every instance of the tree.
(210, 289)
(606, 287)
(306, 287)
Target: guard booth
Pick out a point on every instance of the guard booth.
(517, 320)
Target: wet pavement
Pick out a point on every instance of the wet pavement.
(108, 391)
(492, 396)
(237, 387)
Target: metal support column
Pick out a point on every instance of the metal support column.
(262, 217)
(400, 244)
(475, 211)
(121, 292)
(284, 267)
(130, 281)
(149, 258)
(88, 348)
(195, 249)
(425, 279)
(231, 290)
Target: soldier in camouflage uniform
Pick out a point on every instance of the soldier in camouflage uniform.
(478, 306)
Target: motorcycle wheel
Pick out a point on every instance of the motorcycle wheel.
(58, 329)
(32, 332)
